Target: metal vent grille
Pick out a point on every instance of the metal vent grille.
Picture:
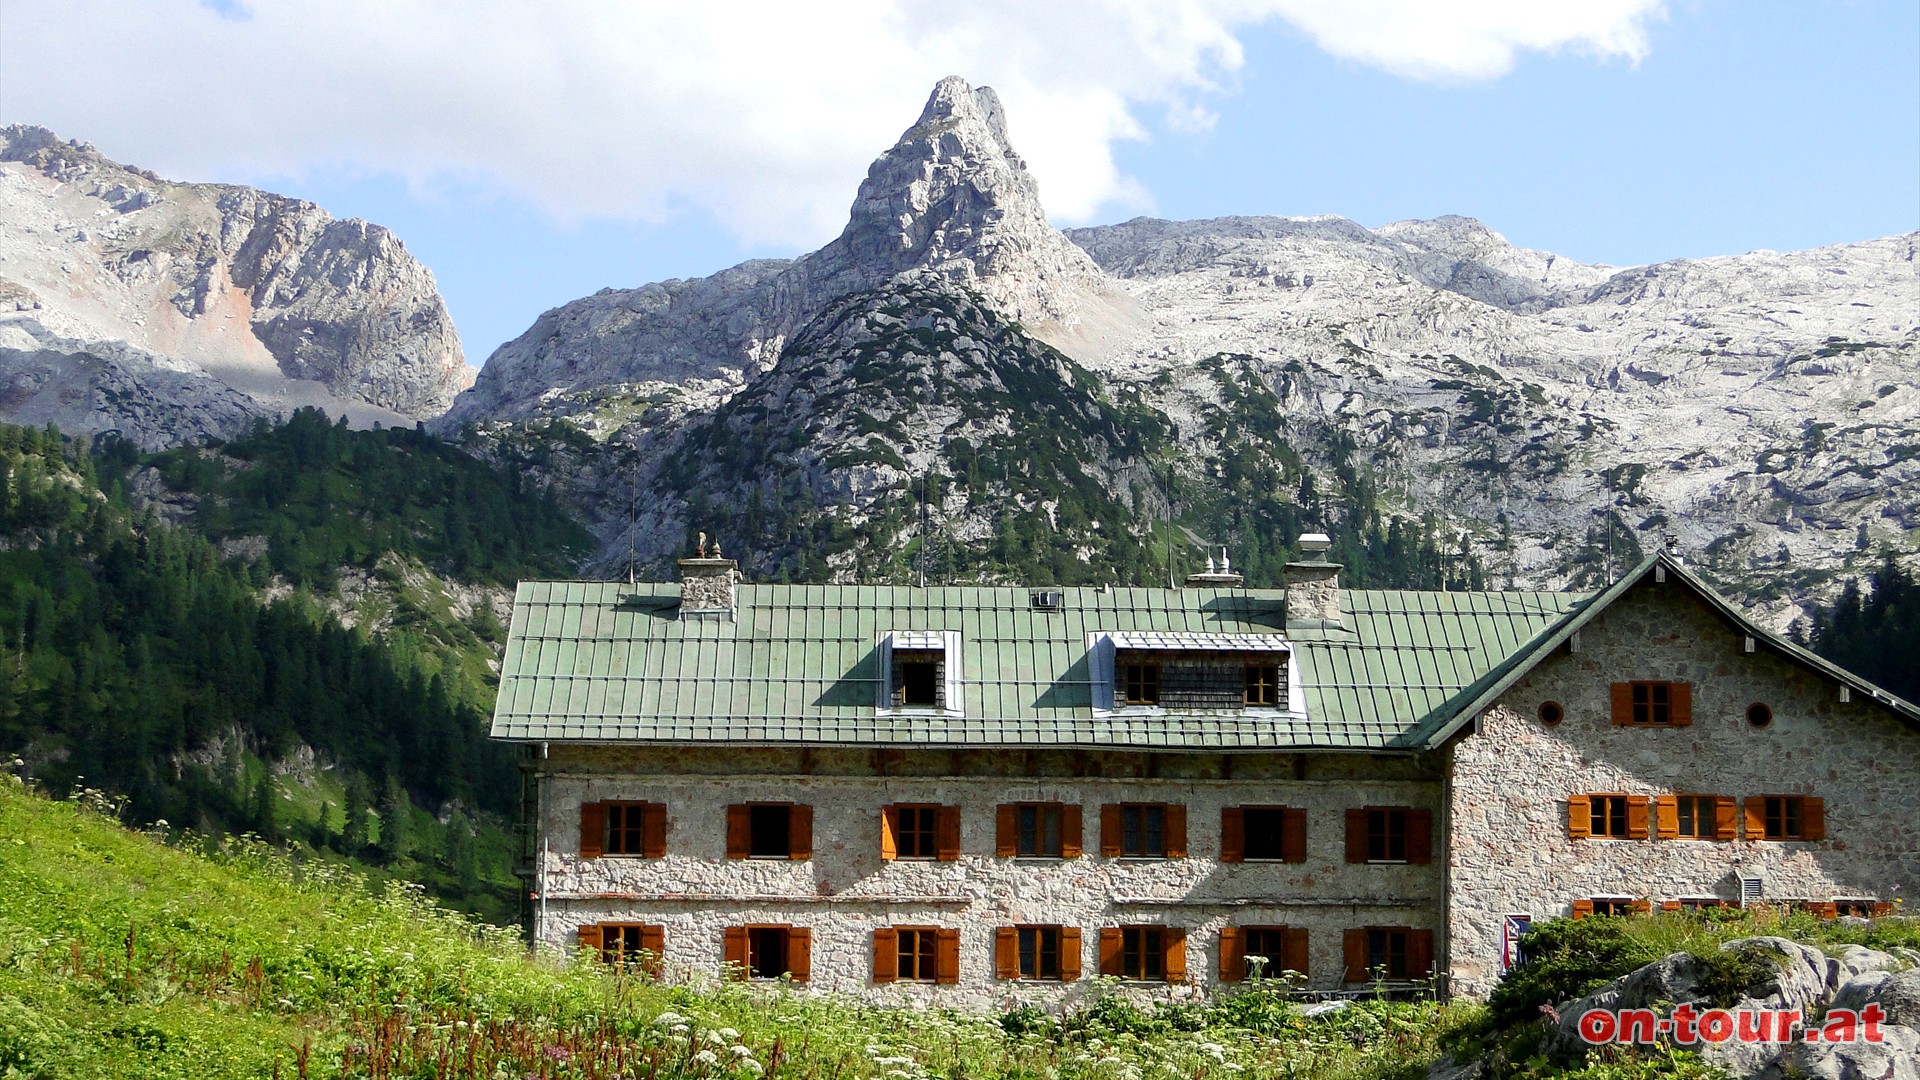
(1047, 600)
(1751, 890)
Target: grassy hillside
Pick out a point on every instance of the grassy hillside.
(122, 956)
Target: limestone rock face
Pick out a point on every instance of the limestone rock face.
(950, 200)
(262, 296)
(1763, 408)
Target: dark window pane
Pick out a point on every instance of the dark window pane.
(768, 828)
(1264, 832)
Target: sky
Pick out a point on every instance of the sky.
(533, 152)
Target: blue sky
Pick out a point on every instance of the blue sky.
(533, 165)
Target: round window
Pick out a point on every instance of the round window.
(1551, 713)
(1759, 715)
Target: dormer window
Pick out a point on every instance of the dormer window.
(1186, 671)
(917, 676)
(920, 670)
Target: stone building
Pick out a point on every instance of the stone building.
(970, 796)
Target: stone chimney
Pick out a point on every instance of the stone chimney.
(1220, 575)
(706, 583)
(1313, 585)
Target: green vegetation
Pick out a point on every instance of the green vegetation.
(123, 956)
(1873, 632)
(141, 662)
(326, 496)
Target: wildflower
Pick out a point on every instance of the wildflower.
(558, 1053)
(707, 1058)
(668, 1019)
(742, 1052)
(752, 1068)
(729, 1034)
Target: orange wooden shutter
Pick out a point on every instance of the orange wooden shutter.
(1006, 839)
(1419, 836)
(653, 941)
(1357, 836)
(1175, 940)
(1353, 944)
(946, 956)
(946, 834)
(1233, 955)
(1070, 831)
(1006, 953)
(1641, 907)
(800, 953)
(1110, 954)
(1069, 953)
(1622, 703)
(1670, 905)
(1419, 953)
(1579, 817)
(1813, 818)
(1176, 834)
(653, 830)
(1293, 949)
(1233, 834)
(593, 938)
(1110, 830)
(739, 831)
(889, 833)
(593, 829)
(886, 954)
(1666, 817)
(1637, 817)
(1756, 807)
(1827, 910)
(1726, 817)
(1582, 908)
(1293, 835)
(1881, 908)
(1680, 704)
(734, 951)
(800, 833)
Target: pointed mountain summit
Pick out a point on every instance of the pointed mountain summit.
(951, 201)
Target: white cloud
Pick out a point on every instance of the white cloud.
(764, 114)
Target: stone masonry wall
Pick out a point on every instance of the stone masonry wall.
(846, 890)
(1511, 852)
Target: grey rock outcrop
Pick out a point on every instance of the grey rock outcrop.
(1799, 978)
(266, 296)
(100, 386)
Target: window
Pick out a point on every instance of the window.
(1696, 814)
(1786, 817)
(1037, 830)
(1262, 951)
(1388, 953)
(625, 943)
(769, 952)
(918, 678)
(1695, 903)
(915, 831)
(1263, 834)
(1144, 953)
(1652, 704)
(1610, 816)
(1389, 834)
(623, 828)
(1619, 906)
(1143, 830)
(1045, 953)
(919, 831)
(1142, 682)
(1263, 684)
(769, 831)
(1861, 908)
(1783, 818)
(929, 954)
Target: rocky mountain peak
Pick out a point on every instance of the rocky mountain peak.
(954, 198)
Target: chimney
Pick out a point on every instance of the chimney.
(706, 583)
(1217, 576)
(1313, 585)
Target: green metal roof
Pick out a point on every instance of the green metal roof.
(610, 662)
